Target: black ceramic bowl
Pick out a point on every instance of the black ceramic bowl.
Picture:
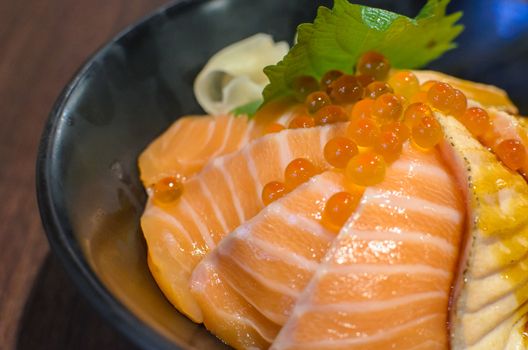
(89, 193)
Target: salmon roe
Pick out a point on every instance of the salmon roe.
(339, 150)
(167, 190)
(364, 132)
(374, 64)
(274, 127)
(366, 169)
(376, 89)
(398, 128)
(339, 208)
(302, 121)
(427, 133)
(425, 87)
(303, 86)
(272, 191)
(415, 112)
(476, 120)
(390, 145)
(362, 109)
(330, 114)
(387, 107)
(441, 96)
(458, 104)
(298, 171)
(328, 78)
(512, 153)
(364, 79)
(405, 83)
(346, 89)
(317, 100)
(420, 96)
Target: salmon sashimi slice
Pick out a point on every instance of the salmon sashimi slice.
(490, 300)
(261, 268)
(385, 281)
(191, 142)
(226, 193)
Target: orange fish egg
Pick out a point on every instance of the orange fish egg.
(398, 128)
(302, 121)
(362, 109)
(425, 87)
(415, 112)
(405, 83)
(420, 96)
(366, 169)
(339, 208)
(374, 64)
(427, 133)
(317, 100)
(167, 190)
(330, 114)
(458, 103)
(328, 78)
(346, 89)
(512, 153)
(389, 146)
(298, 171)
(376, 89)
(339, 150)
(387, 108)
(476, 120)
(272, 191)
(364, 80)
(364, 131)
(441, 96)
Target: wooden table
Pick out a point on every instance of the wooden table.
(42, 43)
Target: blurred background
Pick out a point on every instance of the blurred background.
(43, 43)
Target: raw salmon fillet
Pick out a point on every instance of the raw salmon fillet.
(385, 282)
(191, 142)
(250, 282)
(226, 193)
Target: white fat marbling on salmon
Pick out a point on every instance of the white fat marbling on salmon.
(393, 200)
(432, 171)
(227, 135)
(308, 225)
(204, 231)
(385, 269)
(283, 254)
(398, 235)
(373, 305)
(219, 164)
(171, 242)
(253, 172)
(272, 285)
(152, 210)
(218, 213)
(356, 340)
(284, 149)
(248, 133)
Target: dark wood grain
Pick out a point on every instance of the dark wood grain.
(42, 43)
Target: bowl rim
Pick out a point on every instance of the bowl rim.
(60, 234)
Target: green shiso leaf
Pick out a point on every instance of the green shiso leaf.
(340, 35)
(248, 109)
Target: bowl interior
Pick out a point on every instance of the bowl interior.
(131, 90)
